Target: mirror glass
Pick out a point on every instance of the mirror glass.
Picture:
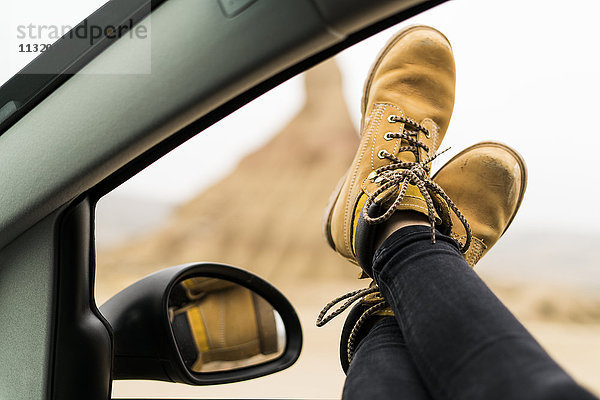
(220, 325)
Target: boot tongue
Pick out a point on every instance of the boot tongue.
(407, 155)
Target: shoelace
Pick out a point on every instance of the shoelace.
(401, 173)
(378, 302)
(398, 174)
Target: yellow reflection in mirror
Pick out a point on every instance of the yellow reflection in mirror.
(220, 325)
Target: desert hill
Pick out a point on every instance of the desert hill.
(266, 215)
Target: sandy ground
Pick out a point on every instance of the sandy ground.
(318, 374)
(574, 346)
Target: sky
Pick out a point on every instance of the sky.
(527, 75)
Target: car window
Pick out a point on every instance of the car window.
(250, 190)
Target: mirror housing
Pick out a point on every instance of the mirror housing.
(145, 346)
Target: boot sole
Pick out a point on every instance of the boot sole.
(326, 221)
(522, 167)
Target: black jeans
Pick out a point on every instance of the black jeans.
(451, 337)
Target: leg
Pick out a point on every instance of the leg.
(464, 342)
(381, 358)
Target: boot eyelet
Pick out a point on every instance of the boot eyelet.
(387, 136)
(381, 154)
(392, 119)
(427, 134)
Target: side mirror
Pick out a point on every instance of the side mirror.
(202, 324)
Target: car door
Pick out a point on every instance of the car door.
(70, 132)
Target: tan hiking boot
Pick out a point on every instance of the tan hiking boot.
(487, 182)
(221, 322)
(407, 104)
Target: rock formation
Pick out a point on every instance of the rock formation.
(266, 215)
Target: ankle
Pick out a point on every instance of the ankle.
(398, 221)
